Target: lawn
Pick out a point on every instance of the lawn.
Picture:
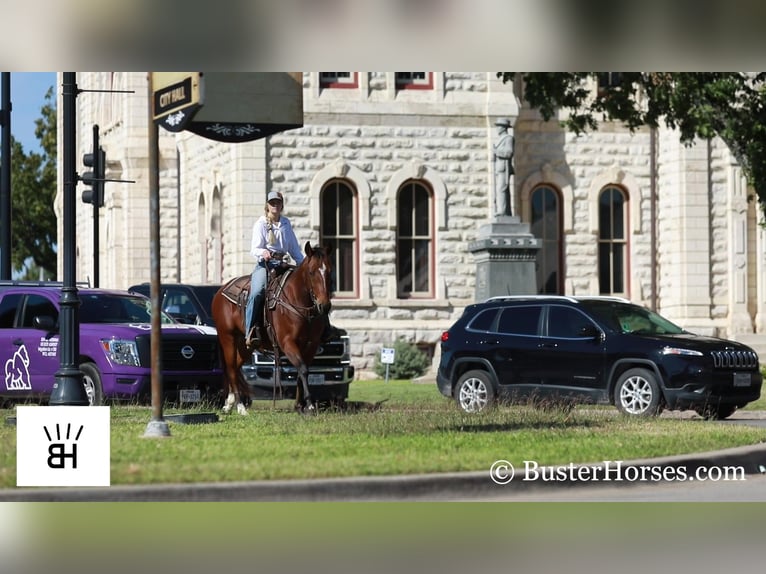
(397, 427)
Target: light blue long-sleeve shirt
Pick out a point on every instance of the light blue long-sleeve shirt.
(284, 236)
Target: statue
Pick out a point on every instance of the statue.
(503, 162)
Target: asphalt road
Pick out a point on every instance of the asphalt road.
(751, 489)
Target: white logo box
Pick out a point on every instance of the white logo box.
(62, 446)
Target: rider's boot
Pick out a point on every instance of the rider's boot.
(253, 339)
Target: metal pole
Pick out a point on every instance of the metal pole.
(98, 187)
(68, 389)
(157, 426)
(5, 179)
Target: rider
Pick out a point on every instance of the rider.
(273, 237)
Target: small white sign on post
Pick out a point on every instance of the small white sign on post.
(387, 358)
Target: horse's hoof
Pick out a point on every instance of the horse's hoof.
(311, 409)
(226, 410)
(241, 409)
(306, 410)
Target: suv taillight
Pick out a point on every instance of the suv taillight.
(445, 336)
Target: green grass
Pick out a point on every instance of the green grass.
(413, 430)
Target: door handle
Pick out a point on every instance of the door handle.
(548, 345)
(18, 342)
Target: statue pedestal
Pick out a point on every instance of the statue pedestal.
(505, 254)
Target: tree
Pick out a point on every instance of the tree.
(731, 105)
(33, 189)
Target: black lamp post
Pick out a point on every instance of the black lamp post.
(68, 389)
(5, 179)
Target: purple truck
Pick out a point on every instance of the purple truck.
(115, 347)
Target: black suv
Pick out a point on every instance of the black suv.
(591, 350)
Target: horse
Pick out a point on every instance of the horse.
(296, 310)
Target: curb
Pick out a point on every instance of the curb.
(423, 487)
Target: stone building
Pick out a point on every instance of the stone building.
(395, 170)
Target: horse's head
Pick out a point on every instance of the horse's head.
(318, 269)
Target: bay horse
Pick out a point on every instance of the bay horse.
(296, 310)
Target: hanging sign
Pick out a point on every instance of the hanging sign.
(176, 98)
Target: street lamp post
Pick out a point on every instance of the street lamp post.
(68, 388)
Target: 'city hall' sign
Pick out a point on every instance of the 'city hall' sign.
(228, 106)
(177, 96)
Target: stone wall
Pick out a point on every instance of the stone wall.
(378, 137)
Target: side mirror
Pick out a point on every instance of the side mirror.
(591, 332)
(44, 323)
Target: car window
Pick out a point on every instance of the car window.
(483, 321)
(566, 322)
(520, 320)
(633, 319)
(178, 305)
(8, 306)
(37, 306)
(105, 308)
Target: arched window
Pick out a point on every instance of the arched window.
(612, 242)
(414, 242)
(546, 226)
(338, 230)
(216, 238)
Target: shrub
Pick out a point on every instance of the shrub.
(409, 362)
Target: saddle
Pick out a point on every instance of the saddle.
(237, 290)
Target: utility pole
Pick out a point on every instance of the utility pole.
(157, 426)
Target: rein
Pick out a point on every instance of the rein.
(306, 312)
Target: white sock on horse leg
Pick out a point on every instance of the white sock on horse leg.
(229, 403)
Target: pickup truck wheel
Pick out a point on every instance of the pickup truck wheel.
(475, 392)
(638, 394)
(92, 381)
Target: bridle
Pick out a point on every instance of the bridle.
(310, 312)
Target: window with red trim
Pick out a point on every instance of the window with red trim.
(338, 231)
(339, 79)
(414, 80)
(414, 241)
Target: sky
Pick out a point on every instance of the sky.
(28, 91)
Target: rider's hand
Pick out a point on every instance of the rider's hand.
(266, 255)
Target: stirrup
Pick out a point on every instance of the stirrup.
(253, 340)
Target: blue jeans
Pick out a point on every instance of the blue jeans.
(257, 295)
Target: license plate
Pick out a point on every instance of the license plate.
(316, 379)
(741, 379)
(189, 395)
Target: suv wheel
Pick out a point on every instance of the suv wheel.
(474, 392)
(92, 380)
(638, 394)
(716, 413)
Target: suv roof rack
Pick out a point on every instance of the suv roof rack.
(571, 298)
(604, 298)
(522, 297)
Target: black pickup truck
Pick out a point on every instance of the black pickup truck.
(329, 376)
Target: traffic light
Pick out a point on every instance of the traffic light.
(96, 160)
